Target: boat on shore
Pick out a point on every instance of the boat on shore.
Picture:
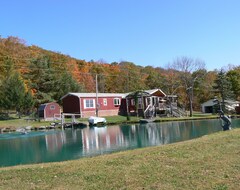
(96, 120)
(146, 120)
(22, 131)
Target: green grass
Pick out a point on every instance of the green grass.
(121, 119)
(15, 123)
(210, 162)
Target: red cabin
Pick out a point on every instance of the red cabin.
(87, 104)
(49, 111)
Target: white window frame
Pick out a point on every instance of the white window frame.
(116, 101)
(132, 102)
(105, 101)
(87, 103)
(52, 107)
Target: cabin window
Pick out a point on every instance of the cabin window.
(89, 103)
(52, 107)
(132, 102)
(140, 103)
(105, 102)
(116, 101)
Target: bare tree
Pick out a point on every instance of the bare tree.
(186, 67)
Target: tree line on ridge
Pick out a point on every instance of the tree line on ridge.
(30, 76)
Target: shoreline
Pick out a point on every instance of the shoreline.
(47, 125)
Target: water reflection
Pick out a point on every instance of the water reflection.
(58, 145)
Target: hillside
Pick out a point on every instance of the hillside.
(47, 76)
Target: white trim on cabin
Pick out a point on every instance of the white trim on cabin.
(154, 90)
(105, 101)
(116, 101)
(89, 103)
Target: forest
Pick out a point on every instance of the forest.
(31, 75)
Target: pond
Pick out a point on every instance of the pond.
(69, 144)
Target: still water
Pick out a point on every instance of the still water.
(69, 144)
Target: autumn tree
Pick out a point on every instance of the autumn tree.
(154, 77)
(131, 77)
(186, 67)
(98, 73)
(114, 78)
(203, 88)
(233, 77)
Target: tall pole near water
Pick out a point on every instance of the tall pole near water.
(96, 95)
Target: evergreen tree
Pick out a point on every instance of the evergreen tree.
(42, 77)
(223, 88)
(28, 103)
(13, 92)
(64, 85)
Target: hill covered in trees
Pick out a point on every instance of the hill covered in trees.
(30, 75)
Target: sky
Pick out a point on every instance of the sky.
(145, 32)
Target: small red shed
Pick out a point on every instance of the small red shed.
(49, 111)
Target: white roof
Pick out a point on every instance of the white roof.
(211, 102)
(154, 90)
(90, 95)
(122, 95)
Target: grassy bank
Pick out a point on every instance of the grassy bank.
(210, 162)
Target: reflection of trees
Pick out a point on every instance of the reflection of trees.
(69, 144)
(150, 134)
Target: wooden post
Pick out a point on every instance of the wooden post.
(128, 118)
(62, 119)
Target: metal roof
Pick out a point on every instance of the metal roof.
(93, 95)
(155, 90)
(122, 95)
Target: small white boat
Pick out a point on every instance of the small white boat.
(23, 131)
(96, 120)
(146, 120)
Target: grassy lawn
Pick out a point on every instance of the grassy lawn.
(16, 123)
(210, 162)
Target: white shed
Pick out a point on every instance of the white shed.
(207, 107)
(230, 105)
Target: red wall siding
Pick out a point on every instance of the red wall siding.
(104, 110)
(110, 103)
(71, 104)
(49, 113)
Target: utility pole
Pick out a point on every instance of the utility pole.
(96, 95)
